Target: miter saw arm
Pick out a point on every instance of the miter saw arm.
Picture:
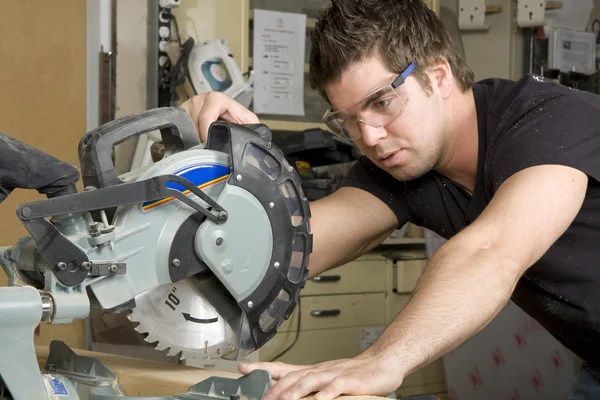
(207, 248)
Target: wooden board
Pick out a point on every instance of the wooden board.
(149, 378)
(43, 100)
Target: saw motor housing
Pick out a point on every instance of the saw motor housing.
(207, 248)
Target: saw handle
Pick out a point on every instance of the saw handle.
(95, 148)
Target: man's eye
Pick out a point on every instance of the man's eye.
(381, 103)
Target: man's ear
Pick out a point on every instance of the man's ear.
(442, 76)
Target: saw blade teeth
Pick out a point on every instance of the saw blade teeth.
(160, 346)
(173, 351)
(172, 333)
(131, 317)
(152, 338)
(140, 329)
(187, 355)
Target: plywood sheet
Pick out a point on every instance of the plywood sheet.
(43, 99)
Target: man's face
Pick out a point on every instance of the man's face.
(412, 143)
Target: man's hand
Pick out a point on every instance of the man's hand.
(366, 374)
(206, 108)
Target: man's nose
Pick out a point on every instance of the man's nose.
(371, 135)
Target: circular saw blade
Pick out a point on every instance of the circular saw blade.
(192, 318)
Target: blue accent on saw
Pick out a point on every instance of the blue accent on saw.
(201, 175)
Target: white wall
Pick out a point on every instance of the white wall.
(131, 76)
(497, 52)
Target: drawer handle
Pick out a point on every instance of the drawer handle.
(327, 278)
(325, 313)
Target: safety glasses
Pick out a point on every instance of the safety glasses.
(377, 109)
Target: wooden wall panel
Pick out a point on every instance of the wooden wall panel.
(42, 100)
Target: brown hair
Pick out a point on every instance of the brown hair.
(401, 31)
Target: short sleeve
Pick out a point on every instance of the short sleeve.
(367, 176)
(563, 129)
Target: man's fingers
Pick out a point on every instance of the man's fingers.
(277, 370)
(309, 383)
(206, 108)
(287, 381)
(215, 105)
(218, 105)
(239, 114)
(334, 389)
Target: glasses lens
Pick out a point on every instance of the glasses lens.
(336, 125)
(384, 106)
(378, 109)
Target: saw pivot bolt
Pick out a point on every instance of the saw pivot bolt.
(94, 230)
(26, 212)
(222, 216)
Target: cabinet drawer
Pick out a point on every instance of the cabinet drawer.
(394, 304)
(338, 311)
(365, 275)
(407, 273)
(314, 346)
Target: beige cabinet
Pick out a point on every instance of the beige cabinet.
(343, 311)
(339, 313)
(401, 281)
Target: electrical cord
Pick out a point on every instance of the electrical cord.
(295, 339)
(173, 75)
(174, 21)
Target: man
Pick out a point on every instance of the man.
(508, 171)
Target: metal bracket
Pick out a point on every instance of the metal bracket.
(471, 15)
(106, 268)
(531, 13)
(94, 380)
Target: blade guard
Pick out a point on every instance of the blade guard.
(291, 233)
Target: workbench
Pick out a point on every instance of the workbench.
(150, 378)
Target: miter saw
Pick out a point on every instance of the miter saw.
(206, 248)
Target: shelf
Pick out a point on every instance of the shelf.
(284, 125)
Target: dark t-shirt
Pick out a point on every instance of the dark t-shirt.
(522, 124)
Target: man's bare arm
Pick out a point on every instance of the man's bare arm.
(466, 283)
(345, 225)
(471, 278)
